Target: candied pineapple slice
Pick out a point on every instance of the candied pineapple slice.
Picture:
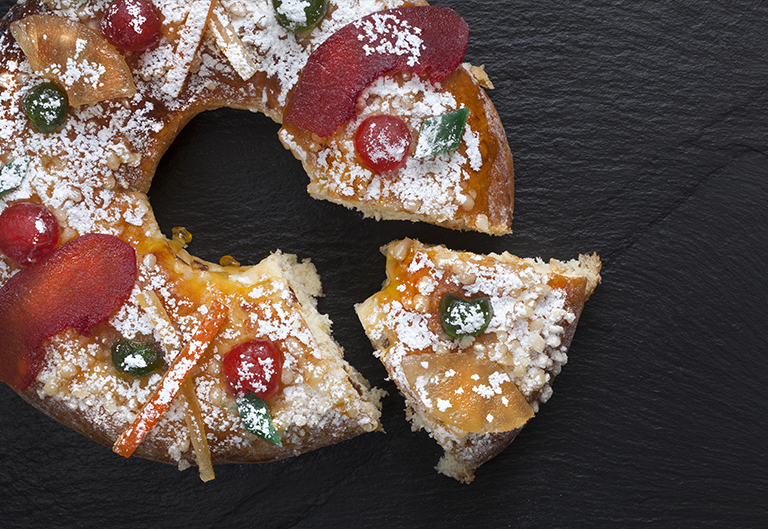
(88, 67)
(467, 392)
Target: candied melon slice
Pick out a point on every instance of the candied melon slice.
(467, 392)
(88, 67)
(79, 284)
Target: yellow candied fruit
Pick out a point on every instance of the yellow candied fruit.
(465, 391)
(228, 260)
(75, 56)
(181, 236)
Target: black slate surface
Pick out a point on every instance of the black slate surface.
(640, 131)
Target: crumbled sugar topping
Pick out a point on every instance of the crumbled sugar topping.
(130, 321)
(80, 187)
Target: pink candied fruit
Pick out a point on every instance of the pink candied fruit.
(78, 285)
(28, 231)
(429, 41)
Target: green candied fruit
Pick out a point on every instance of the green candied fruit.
(12, 174)
(135, 358)
(462, 318)
(299, 15)
(441, 133)
(46, 106)
(256, 418)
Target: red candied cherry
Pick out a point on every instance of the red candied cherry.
(383, 142)
(254, 366)
(130, 24)
(28, 231)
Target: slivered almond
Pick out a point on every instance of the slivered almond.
(230, 44)
(190, 37)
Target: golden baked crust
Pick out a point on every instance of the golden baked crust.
(536, 307)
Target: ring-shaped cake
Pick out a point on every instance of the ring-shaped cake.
(139, 290)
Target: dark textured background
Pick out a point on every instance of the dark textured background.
(640, 131)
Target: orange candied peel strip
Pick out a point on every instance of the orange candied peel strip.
(193, 414)
(172, 381)
(78, 58)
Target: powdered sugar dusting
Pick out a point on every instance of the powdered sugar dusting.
(386, 34)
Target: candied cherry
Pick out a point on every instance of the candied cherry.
(299, 15)
(46, 106)
(28, 231)
(130, 24)
(462, 318)
(383, 142)
(254, 366)
(135, 358)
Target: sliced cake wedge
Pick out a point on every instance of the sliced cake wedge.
(473, 342)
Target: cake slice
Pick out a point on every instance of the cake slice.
(320, 398)
(387, 120)
(473, 342)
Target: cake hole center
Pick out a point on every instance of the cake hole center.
(229, 181)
